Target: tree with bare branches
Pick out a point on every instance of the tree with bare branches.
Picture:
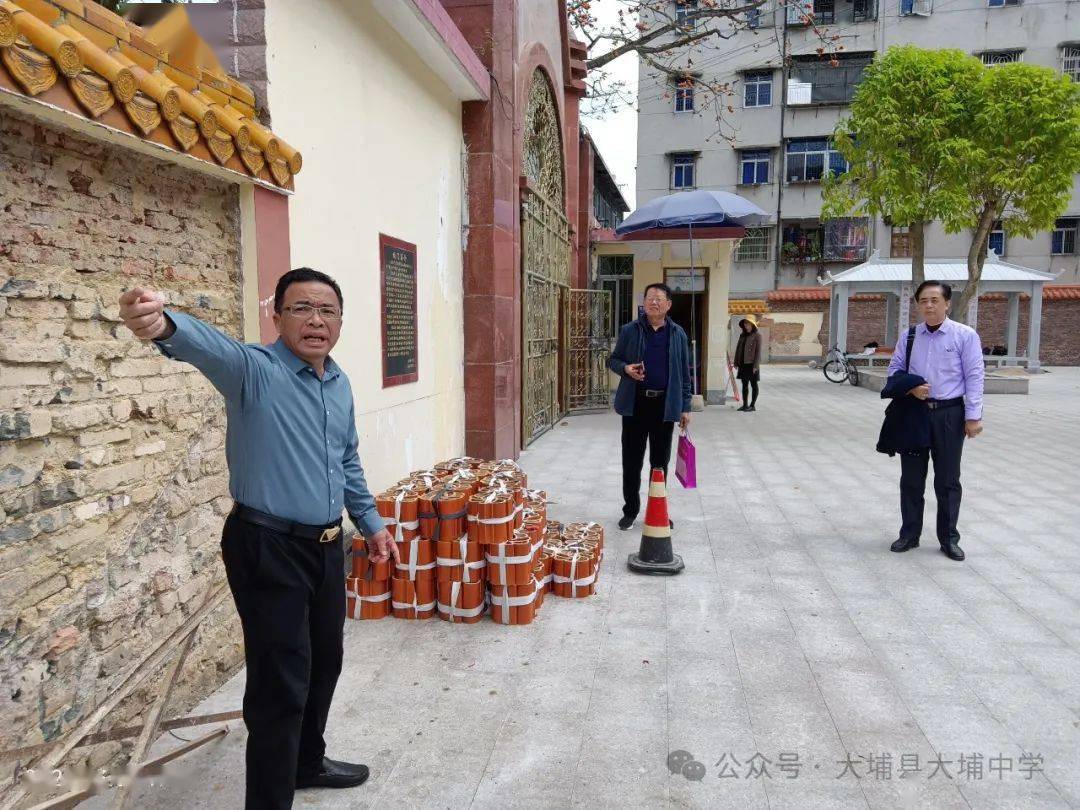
(668, 36)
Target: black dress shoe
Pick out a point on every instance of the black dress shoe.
(626, 522)
(334, 774)
(744, 408)
(904, 545)
(752, 408)
(952, 551)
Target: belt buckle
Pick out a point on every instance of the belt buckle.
(330, 535)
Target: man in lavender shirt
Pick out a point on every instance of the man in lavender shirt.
(948, 355)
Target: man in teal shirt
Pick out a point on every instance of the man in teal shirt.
(293, 468)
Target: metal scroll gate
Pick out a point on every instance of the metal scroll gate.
(546, 276)
(589, 330)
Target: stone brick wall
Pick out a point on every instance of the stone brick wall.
(113, 482)
(1060, 344)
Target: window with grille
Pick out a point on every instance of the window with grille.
(846, 239)
(808, 159)
(616, 275)
(761, 16)
(807, 12)
(1070, 62)
(1002, 3)
(900, 241)
(996, 239)
(755, 166)
(829, 83)
(757, 89)
(802, 243)
(1063, 237)
(919, 8)
(683, 10)
(756, 246)
(684, 96)
(683, 167)
(993, 58)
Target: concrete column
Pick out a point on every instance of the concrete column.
(1035, 326)
(844, 293)
(719, 281)
(834, 308)
(1013, 327)
(905, 305)
(892, 312)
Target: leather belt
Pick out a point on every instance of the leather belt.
(327, 533)
(955, 402)
(652, 393)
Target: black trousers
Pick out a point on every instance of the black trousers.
(946, 445)
(747, 385)
(290, 594)
(646, 425)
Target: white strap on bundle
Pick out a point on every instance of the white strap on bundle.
(450, 562)
(413, 606)
(502, 560)
(495, 521)
(353, 592)
(454, 611)
(576, 583)
(505, 601)
(411, 525)
(412, 566)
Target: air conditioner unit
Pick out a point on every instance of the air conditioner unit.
(799, 92)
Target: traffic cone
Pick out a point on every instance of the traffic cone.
(655, 555)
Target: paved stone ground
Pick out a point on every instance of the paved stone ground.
(793, 630)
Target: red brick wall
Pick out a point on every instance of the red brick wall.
(1060, 345)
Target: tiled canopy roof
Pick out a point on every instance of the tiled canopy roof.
(1051, 292)
(78, 55)
(747, 306)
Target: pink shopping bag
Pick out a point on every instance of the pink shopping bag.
(686, 462)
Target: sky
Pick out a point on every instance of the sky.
(615, 133)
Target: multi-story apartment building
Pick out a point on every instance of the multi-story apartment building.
(774, 143)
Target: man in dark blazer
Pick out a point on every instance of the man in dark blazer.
(652, 356)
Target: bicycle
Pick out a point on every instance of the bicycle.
(838, 367)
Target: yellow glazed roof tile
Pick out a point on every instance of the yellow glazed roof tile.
(160, 75)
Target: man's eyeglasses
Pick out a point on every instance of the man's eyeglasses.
(304, 311)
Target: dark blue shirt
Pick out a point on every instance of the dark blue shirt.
(656, 357)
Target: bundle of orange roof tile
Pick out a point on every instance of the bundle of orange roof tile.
(472, 539)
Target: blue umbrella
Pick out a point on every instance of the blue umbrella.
(685, 209)
(689, 208)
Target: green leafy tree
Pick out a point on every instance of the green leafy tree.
(1024, 153)
(905, 142)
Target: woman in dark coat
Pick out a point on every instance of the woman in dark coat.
(748, 361)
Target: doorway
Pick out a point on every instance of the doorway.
(689, 309)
